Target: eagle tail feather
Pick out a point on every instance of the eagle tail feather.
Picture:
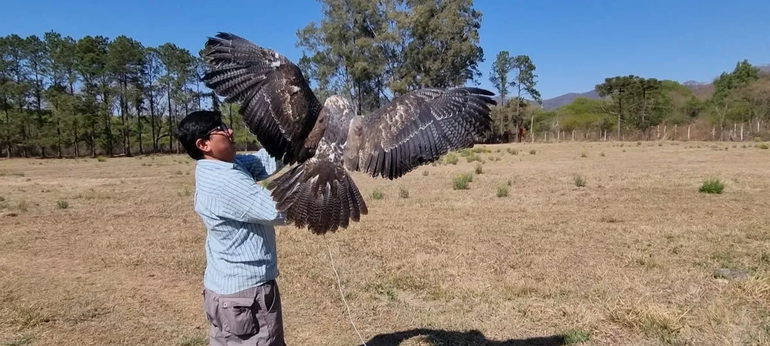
(318, 194)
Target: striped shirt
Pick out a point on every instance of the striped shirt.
(239, 215)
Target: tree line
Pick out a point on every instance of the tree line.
(736, 106)
(61, 96)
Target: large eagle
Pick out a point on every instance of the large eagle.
(326, 141)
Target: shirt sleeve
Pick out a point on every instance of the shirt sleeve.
(242, 199)
(260, 164)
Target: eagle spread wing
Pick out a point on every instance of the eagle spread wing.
(276, 101)
(417, 128)
(414, 129)
(279, 107)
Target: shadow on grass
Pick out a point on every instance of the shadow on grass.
(438, 337)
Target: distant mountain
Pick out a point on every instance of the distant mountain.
(702, 91)
(692, 83)
(563, 100)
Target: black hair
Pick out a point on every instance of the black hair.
(195, 126)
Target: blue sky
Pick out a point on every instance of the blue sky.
(575, 44)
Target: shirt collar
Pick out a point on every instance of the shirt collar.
(216, 163)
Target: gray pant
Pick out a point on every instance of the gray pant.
(250, 317)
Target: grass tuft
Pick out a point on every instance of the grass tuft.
(186, 191)
(403, 193)
(653, 321)
(62, 204)
(502, 191)
(473, 157)
(377, 194)
(461, 181)
(576, 337)
(479, 168)
(23, 206)
(712, 186)
(579, 180)
(25, 340)
(193, 341)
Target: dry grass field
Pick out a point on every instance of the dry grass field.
(111, 253)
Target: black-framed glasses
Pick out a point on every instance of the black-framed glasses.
(221, 127)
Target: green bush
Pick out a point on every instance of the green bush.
(461, 181)
(712, 186)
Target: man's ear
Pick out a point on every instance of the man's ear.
(203, 145)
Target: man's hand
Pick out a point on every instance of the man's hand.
(260, 164)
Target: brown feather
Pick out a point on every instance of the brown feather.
(277, 103)
(319, 193)
(418, 127)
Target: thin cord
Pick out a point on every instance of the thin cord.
(339, 285)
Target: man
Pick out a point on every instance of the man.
(240, 296)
